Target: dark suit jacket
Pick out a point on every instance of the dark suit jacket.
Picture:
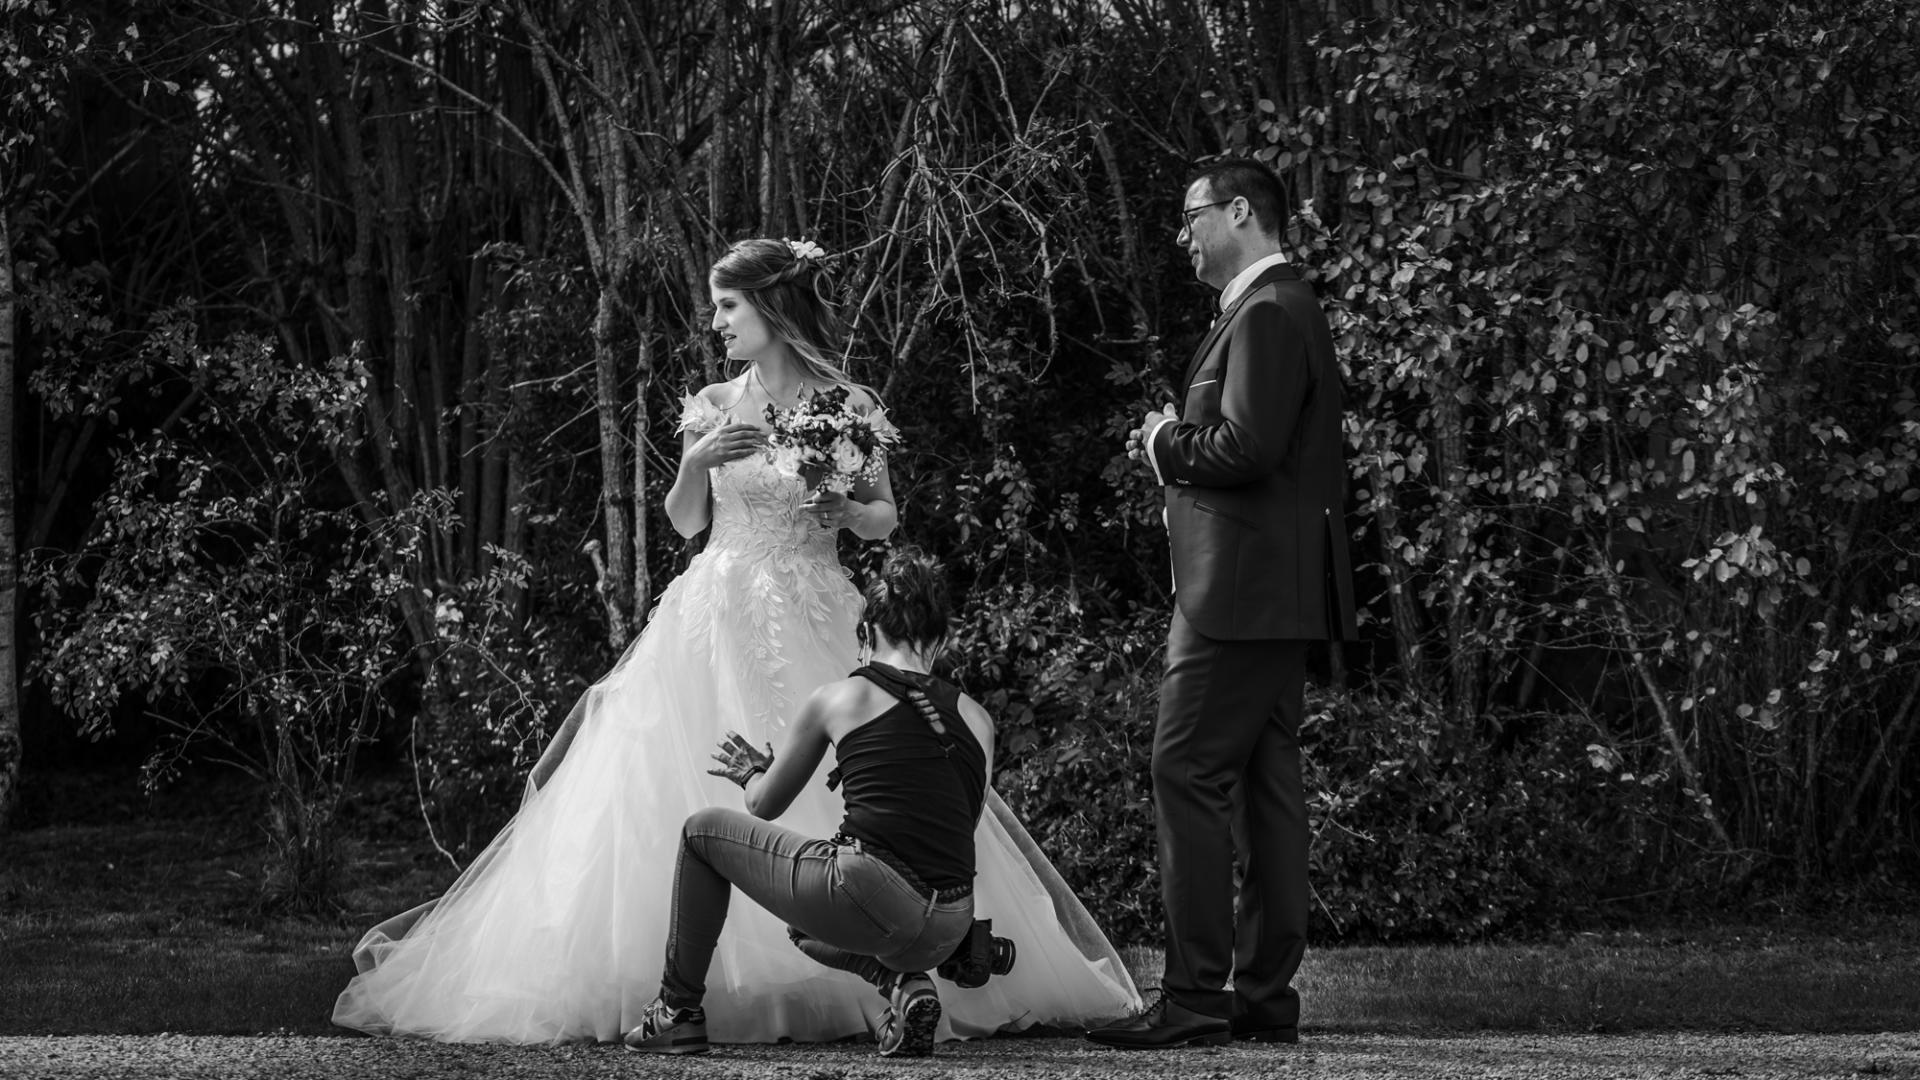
(1255, 475)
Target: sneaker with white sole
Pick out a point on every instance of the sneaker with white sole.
(913, 1012)
(667, 1030)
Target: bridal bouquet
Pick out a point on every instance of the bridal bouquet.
(827, 445)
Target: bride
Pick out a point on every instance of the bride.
(556, 931)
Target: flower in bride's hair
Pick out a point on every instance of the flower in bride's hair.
(806, 250)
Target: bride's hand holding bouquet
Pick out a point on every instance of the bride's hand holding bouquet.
(830, 446)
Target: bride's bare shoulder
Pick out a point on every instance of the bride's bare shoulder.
(708, 407)
(723, 395)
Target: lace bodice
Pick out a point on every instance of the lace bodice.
(767, 589)
(756, 511)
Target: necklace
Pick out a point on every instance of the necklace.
(801, 388)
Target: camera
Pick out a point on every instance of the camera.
(978, 957)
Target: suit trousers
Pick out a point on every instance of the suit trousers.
(1228, 795)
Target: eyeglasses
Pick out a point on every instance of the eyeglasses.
(1186, 216)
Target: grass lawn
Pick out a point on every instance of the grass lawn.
(150, 928)
(145, 927)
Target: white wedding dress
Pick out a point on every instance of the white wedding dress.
(557, 930)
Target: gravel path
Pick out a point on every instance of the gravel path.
(1323, 1057)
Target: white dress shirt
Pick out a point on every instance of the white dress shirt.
(1243, 280)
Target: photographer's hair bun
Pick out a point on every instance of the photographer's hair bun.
(907, 598)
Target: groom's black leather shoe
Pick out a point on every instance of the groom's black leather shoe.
(1167, 1024)
(1245, 1030)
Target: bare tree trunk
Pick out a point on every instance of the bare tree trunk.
(615, 499)
(642, 580)
(1463, 650)
(363, 324)
(1404, 618)
(1690, 776)
(58, 468)
(9, 568)
(597, 164)
(1128, 232)
(772, 135)
(467, 449)
(1883, 753)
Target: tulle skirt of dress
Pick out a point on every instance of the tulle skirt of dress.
(558, 930)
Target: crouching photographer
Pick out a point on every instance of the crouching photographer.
(891, 895)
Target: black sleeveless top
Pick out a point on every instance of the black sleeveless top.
(910, 789)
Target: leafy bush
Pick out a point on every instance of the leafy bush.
(496, 697)
(1623, 380)
(225, 593)
(1422, 830)
(1624, 298)
(1074, 699)
(1419, 831)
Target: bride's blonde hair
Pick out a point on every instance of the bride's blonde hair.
(787, 283)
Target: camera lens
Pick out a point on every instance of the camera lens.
(1002, 955)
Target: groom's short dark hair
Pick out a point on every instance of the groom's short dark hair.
(1245, 178)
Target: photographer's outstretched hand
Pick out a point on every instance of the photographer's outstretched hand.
(740, 760)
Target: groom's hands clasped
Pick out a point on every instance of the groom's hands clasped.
(740, 760)
(1137, 438)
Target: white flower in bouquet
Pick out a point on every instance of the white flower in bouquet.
(827, 444)
(847, 457)
(786, 460)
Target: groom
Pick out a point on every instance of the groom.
(1255, 484)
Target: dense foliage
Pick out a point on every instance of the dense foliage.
(248, 609)
(1625, 299)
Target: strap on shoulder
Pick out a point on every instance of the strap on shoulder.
(889, 678)
(912, 691)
